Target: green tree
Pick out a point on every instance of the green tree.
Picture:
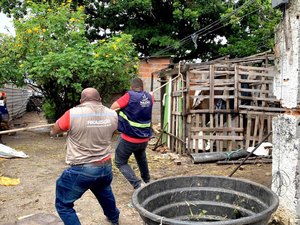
(187, 29)
(156, 25)
(50, 51)
(183, 28)
(251, 28)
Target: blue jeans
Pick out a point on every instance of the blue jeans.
(76, 180)
(124, 150)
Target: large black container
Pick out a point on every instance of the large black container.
(205, 200)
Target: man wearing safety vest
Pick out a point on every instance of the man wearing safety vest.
(135, 127)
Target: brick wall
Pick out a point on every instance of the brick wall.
(146, 68)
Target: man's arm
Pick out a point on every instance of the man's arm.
(62, 124)
(121, 102)
(115, 106)
(56, 129)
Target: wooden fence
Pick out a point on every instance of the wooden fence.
(221, 106)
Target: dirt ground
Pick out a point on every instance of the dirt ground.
(38, 173)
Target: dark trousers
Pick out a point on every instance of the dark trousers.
(124, 150)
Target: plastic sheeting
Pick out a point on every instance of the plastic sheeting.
(8, 152)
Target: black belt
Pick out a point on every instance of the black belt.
(96, 163)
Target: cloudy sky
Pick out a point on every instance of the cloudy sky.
(6, 24)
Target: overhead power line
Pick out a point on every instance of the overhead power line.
(206, 30)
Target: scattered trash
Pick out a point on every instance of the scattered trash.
(7, 181)
(130, 205)
(40, 218)
(265, 149)
(200, 142)
(177, 162)
(8, 152)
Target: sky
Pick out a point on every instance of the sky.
(6, 24)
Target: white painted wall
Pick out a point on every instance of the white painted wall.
(286, 164)
(287, 47)
(286, 127)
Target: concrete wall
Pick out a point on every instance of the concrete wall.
(286, 127)
(287, 50)
(146, 68)
(286, 166)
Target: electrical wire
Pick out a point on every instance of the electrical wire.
(209, 32)
(281, 180)
(211, 25)
(205, 29)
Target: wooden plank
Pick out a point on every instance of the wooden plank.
(261, 108)
(263, 88)
(187, 95)
(236, 125)
(174, 136)
(217, 83)
(177, 93)
(184, 118)
(256, 68)
(204, 119)
(257, 161)
(199, 71)
(256, 90)
(252, 73)
(256, 82)
(224, 72)
(212, 91)
(258, 113)
(212, 125)
(237, 88)
(190, 121)
(256, 123)
(258, 98)
(215, 96)
(221, 126)
(199, 88)
(217, 129)
(248, 133)
(177, 113)
(261, 128)
(207, 111)
(242, 127)
(269, 126)
(196, 141)
(230, 145)
(26, 128)
(226, 138)
(173, 119)
(206, 88)
(216, 118)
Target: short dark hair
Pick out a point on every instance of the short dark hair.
(137, 84)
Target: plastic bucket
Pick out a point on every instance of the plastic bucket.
(205, 200)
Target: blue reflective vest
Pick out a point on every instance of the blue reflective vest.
(135, 118)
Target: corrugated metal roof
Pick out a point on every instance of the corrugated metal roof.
(17, 99)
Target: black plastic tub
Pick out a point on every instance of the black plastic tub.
(205, 200)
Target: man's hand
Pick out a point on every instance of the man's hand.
(55, 129)
(115, 106)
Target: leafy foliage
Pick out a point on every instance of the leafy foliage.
(252, 28)
(51, 52)
(156, 24)
(183, 28)
(187, 29)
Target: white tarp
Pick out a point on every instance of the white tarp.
(8, 152)
(265, 149)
